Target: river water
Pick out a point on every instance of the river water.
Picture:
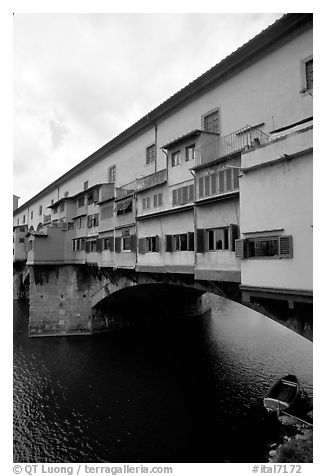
(190, 391)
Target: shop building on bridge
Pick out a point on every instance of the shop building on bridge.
(216, 182)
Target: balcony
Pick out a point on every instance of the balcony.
(151, 180)
(247, 138)
(127, 189)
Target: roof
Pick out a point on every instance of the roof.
(280, 31)
(184, 137)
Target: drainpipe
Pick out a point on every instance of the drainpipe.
(155, 140)
(195, 218)
(166, 162)
(136, 227)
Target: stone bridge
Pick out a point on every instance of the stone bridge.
(80, 299)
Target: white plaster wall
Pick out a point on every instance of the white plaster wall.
(280, 196)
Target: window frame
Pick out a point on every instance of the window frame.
(190, 148)
(175, 162)
(304, 83)
(150, 154)
(214, 232)
(210, 114)
(112, 174)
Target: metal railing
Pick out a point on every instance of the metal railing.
(125, 189)
(243, 139)
(150, 180)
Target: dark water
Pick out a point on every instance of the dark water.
(187, 392)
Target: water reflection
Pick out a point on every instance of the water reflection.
(187, 392)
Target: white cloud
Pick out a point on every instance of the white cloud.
(80, 79)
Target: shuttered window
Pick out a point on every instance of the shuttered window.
(201, 187)
(240, 249)
(118, 244)
(183, 195)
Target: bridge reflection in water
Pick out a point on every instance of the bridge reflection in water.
(187, 392)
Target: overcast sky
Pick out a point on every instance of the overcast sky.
(80, 79)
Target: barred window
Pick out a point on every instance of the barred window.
(210, 121)
(150, 154)
(309, 74)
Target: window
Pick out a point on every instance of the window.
(78, 244)
(217, 239)
(108, 243)
(112, 174)
(158, 200)
(95, 219)
(126, 243)
(62, 207)
(183, 195)
(86, 185)
(81, 202)
(265, 247)
(66, 194)
(40, 210)
(150, 154)
(90, 198)
(152, 244)
(21, 240)
(309, 74)
(180, 242)
(190, 152)
(210, 121)
(80, 222)
(32, 214)
(221, 181)
(90, 246)
(24, 218)
(55, 210)
(146, 203)
(175, 158)
(52, 201)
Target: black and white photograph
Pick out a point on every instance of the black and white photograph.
(162, 242)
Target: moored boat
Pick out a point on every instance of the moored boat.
(282, 394)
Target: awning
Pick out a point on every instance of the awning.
(123, 204)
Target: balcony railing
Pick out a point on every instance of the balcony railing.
(151, 180)
(121, 192)
(242, 139)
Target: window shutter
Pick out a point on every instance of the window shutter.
(133, 243)
(240, 249)
(168, 243)
(228, 175)
(235, 178)
(201, 187)
(141, 245)
(179, 199)
(82, 244)
(286, 246)
(110, 243)
(87, 246)
(157, 243)
(118, 244)
(191, 193)
(221, 181)
(213, 184)
(201, 241)
(99, 244)
(174, 197)
(191, 241)
(184, 194)
(207, 188)
(234, 235)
